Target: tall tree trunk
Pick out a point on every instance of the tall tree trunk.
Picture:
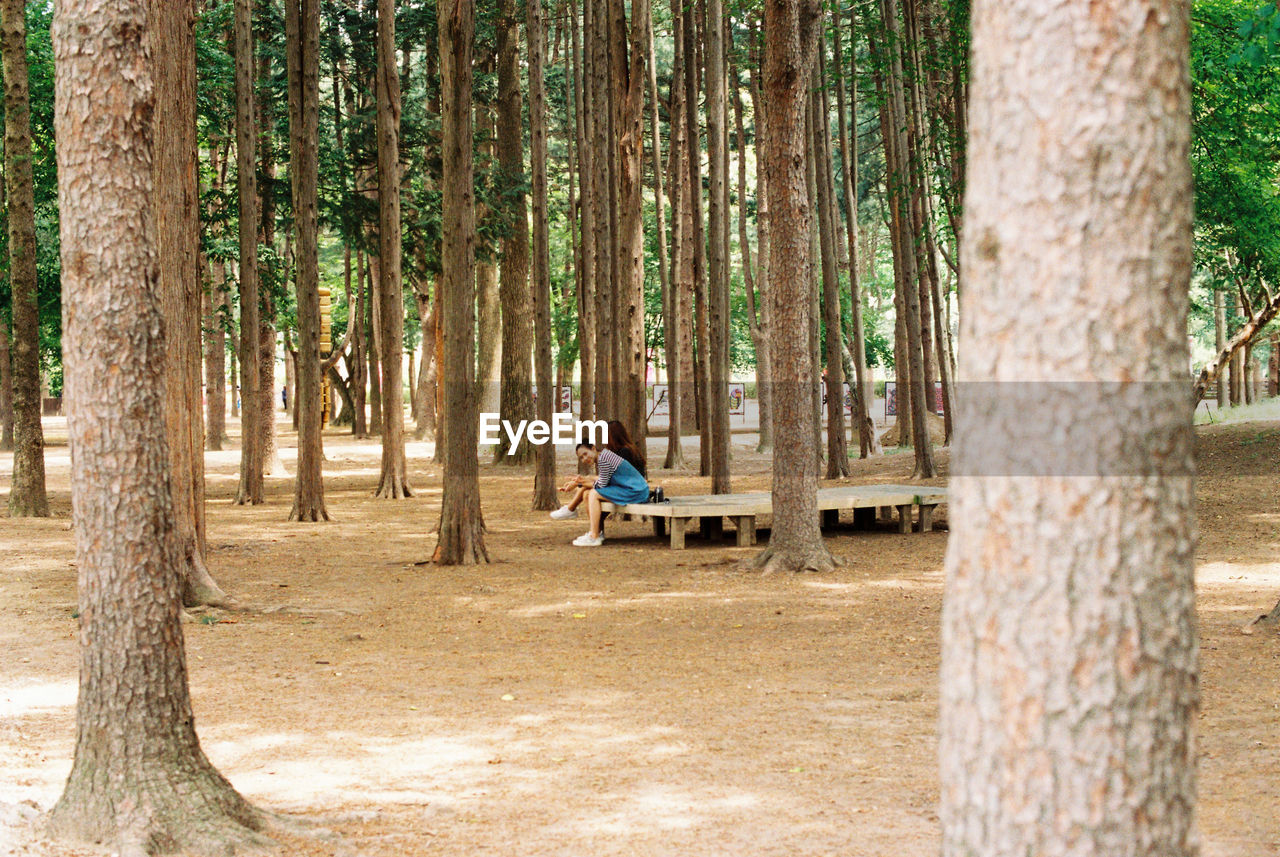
(596, 40)
(837, 448)
(696, 238)
(250, 487)
(718, 261)
(544, 480)
(909, 217)
(139, 779)
(271, 462)
(393, 483)
(302, 34)
(868, 442)
(374, 340)
(759, 311)
(791, 38)
(1235, 367)
(684, 396)
(177, 246)
(631, 45)
(517, 300)
(1069, 667)
(27, 498)
(586, 274)
(673, 278)
(461, 529)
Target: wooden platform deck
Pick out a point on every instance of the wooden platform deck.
(743, 509)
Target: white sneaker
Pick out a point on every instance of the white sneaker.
(587, 541)
(564, 512)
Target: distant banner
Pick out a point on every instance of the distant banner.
(848, 396)
(738, 399)
(566, 399)
(891, 398)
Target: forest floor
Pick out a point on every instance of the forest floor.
(625, 700)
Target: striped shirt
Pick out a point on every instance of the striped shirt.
(606, 464)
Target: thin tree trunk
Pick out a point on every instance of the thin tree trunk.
(696, 238)
(586, 209)
(868, 442)
(837, 448)
(177, 247)
(461, 540)
(596, 41)
(393, 482)
(631, 46)
(718, 261)
(759, 311)
(1220, 337)
(249, 490)
(271, 462)
(675, 305)
(1069, 665)
(27, 497)
(544, 480)
(791, 36)
(302, 28)
(139, 778)
(516, 395)
(374, 351)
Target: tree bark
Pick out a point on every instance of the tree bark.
(27, 497)
(837, 447)
(759, 313)
(544, 480)
(868, 442)
(250, 487)
(909, 217)
(461, 540)
(516, 395)
(139, 781)
(596, 41)
(1069, 665)
(271, 462)
(586, 274)
(171, 28)
(302, 36)
(676, 330)
(393, 483)
(696, 238)
(791, 37)
(718, 261)
(631, 45)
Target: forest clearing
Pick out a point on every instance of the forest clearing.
(440, 427)
(661, 704)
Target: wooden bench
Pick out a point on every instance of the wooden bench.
(743, 509)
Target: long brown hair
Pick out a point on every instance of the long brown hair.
(621, 442)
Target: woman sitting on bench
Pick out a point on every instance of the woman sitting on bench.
(617, 482)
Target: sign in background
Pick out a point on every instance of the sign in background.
(891, 398)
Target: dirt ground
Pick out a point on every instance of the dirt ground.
(626, 700)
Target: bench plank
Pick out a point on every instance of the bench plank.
(744, 508)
